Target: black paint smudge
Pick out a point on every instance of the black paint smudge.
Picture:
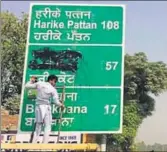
(64, 60)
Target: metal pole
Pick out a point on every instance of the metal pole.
(32, 134)
(103, 143)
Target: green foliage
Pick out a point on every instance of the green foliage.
(131, 119)
(12, 104)
(143, 77)
(141, 146)
(13, 31)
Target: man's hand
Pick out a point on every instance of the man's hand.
(62, 107)
(33, 79)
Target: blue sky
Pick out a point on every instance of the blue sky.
(146, 31)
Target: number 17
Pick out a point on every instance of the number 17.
(110, 109)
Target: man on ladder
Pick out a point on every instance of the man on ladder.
(43, 114)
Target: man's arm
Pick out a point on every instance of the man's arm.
(56, 98)
(32, 84)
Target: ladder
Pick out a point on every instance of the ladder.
(61, 114)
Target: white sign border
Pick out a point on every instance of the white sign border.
(123, 52)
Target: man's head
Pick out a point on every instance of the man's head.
(52, 79)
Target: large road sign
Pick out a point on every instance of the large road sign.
(84, 46)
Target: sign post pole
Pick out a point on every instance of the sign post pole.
(103, 143)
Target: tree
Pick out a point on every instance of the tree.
(142, 80)
(131, 119)
(13, 104)
(141, 146)
(13, 31)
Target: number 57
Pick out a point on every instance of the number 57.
(111, 65)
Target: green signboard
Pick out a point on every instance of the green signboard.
(84, 46)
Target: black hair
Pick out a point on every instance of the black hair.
(52, 77)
